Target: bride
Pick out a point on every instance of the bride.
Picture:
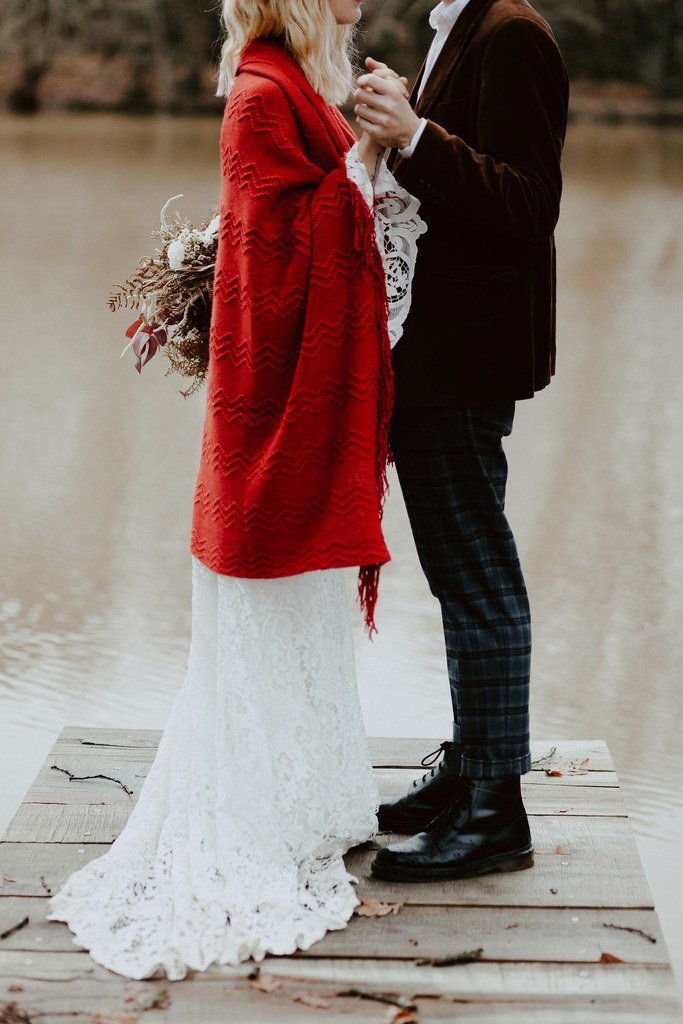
(262, 779)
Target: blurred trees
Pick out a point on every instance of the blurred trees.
(165, 47)
(161, 54)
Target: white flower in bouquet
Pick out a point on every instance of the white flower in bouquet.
(176, 254)
(211, 232)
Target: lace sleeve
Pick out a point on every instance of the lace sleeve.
(397, 228)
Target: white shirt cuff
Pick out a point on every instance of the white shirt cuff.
(407, 151)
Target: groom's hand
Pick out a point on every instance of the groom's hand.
(381, 106)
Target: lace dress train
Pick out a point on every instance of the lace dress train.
(261, 782)
(262, 779)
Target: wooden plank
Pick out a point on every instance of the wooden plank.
(67, 823)
(568, 795)
(597, 864)
(393, 752)
(504, 933)
(481, 980)
(70, 986)
(565, 798)
(98, 737)
(53, 785)
(386, 751)
(589, 876)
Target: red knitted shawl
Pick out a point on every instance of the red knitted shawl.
(299, 392)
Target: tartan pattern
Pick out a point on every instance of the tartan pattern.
(453, 471)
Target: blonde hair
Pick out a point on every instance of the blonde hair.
(323, 49)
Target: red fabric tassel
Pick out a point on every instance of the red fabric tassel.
(368, 584)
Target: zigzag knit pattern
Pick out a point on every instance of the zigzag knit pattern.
(294, 450)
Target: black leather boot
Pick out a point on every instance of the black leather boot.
(426, 796)
(484, 829)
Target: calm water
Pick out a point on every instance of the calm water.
(98, 470)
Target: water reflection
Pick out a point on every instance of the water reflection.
(99, 466)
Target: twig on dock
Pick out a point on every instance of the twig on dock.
(316, 1002)
(630, 928)
(117, 746)
(466, 957)
(81, 778)
(14, 928)
(546, 757)
(379, 997)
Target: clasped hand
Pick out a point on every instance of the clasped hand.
(381, 106)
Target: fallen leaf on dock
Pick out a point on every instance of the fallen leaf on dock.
(267, 983)
(106, 1018)
(317, 1002)
(610, 958)
(401, 1017)
(161, 1000)
(375, 908)
(553, 771)
(12, 1013)
(578, 767)
(558, 849)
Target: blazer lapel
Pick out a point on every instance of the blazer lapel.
(457, 40)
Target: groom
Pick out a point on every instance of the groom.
(479, 143)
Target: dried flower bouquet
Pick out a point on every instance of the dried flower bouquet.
(172, 289)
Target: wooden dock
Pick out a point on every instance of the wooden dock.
(573, 940)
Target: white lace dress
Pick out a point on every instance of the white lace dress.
(262, 780)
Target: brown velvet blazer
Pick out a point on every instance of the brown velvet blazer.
(481, 327)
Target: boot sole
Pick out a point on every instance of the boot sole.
(499, 863)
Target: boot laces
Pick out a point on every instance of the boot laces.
(436, 759)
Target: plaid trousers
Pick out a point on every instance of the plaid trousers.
(452, 470)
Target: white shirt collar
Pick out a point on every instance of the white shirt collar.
(443, 17)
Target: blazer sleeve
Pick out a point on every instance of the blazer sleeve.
(512, 182)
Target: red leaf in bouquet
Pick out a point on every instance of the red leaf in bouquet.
(133, 329)
(144, 346)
